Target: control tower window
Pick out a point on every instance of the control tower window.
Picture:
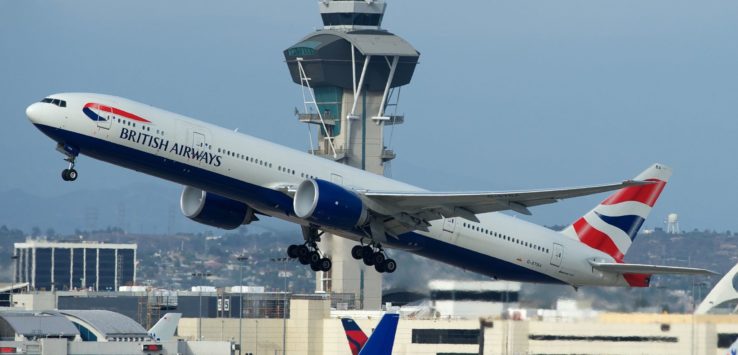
(351, 18)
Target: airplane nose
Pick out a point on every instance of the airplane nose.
(34, 112)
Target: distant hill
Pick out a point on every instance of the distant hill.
(136, 208)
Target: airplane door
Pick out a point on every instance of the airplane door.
(198, 140)
(557, 254)
(106, 119)
(449, 225)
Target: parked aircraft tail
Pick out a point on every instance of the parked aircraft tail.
(379, 343)
(166, 326)
(383, 338)
(355, 336)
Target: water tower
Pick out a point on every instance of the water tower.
(672, 223)
(350, 72)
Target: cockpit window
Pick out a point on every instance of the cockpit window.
(57, 102)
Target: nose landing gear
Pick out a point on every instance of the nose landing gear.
(69, 174)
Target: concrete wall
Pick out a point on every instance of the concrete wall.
(303, 333)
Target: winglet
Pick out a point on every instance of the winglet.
(383, 338)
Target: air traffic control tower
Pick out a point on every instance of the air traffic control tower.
(350, 72)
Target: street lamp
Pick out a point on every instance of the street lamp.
(200, 275)
(283, 274)
(12, 282)
(241, 260)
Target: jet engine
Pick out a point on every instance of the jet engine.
(214, 210)
(328, 204)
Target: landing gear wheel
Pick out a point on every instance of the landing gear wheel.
(325, 264)
(369, 261)
(357, 252)
(304, 260)
(315, 266)
(380, 268)
(314, 257)
(378, 258)
(366, 251)
(302, 251)
(389, 265)
(69, 174)
(292, 251)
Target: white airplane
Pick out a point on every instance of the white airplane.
(230, 177)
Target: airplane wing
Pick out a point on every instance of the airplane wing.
(648, 269)
(436, 205)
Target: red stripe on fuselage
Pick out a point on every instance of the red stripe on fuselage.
(116, 111)
(647, 194)
(597, 240)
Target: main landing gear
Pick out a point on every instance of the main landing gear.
(374, 255)
(308, 253)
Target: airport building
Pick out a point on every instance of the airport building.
(468, 318)
(57, 266)
(83, 332)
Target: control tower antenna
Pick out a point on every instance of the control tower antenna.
(347, 71)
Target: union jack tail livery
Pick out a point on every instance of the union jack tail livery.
(612, 226)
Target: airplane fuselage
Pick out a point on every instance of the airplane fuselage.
(255, 172)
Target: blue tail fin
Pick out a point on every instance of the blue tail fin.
(383, 338)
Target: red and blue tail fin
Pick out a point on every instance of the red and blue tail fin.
(356, 338)
(382, 339)
(612, 226)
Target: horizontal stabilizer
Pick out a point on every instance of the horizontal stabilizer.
(648, 269)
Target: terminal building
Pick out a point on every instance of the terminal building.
(462, 318)
(58, 266)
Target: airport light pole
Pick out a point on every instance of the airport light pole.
(200, 275)
(12, 279)
(283, 274)
(241, 260)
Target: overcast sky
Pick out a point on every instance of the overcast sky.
(508, 94)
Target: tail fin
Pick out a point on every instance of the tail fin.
(383, 338)
(356, 338)
(612, 226)
(166, 326)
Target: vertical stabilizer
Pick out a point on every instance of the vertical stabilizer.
(383, 338)
(355, 336)
(166, 326)
(612, 226)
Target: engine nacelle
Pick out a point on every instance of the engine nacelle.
(328, 204)
(214, 210)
